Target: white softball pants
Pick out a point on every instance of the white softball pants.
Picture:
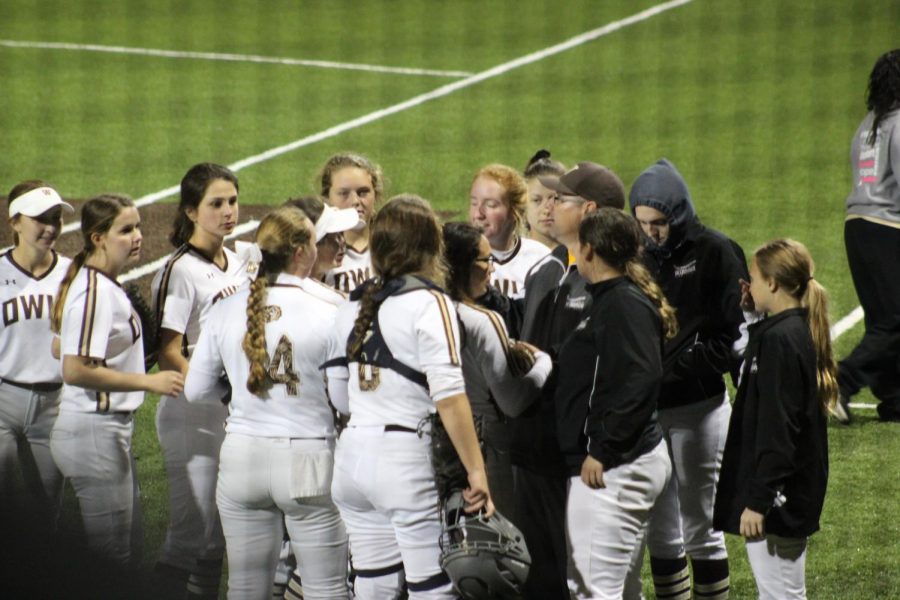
(264, 482)
(779, 567)
(29, 416)
(603, 525)
(93, 450)
(384, 487)
(190, 435)
(681, 521)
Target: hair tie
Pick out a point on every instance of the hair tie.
(810, 278)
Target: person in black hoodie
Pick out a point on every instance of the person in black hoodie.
(775, 467)
(698, 270)
(610, 374)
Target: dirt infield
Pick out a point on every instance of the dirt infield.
(156, 224)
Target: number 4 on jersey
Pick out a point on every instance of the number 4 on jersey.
(283, 361)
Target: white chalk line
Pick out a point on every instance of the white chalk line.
(423, 98)
(153, 267)
(221, 56)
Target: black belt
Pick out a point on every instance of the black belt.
(399, 428)
(34, 387)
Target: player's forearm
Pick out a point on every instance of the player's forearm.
(456, 414)
(97, 377)
(171, 357)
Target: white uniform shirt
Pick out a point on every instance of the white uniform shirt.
(25, 335)
(486, 366)
(421, 330)
(100, 323)
(355, 269)
(324, 292)
(297, 334)
(511, 268)
(188, 285)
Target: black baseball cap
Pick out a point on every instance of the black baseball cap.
(589, 181)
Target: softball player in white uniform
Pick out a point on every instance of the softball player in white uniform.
(384, 482)
(103, 369)
(201, 272)
(352, 181)
(30, 379)
(276, 461)
(497, 202)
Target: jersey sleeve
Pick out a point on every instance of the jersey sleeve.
(513, 394)
(204, 378)
(175, 299)
(87, 322)
(437, 335)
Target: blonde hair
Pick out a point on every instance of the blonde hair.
(406, 239)
(616, 237)
(790, 265)
(280, 233)
(515, 189)
(97, 216)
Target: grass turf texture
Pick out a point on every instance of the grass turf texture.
(755, 103)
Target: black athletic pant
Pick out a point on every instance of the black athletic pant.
(541, 516)
(873, 252)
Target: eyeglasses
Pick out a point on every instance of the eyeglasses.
(488, 260)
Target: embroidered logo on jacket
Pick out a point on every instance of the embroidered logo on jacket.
(682, 270)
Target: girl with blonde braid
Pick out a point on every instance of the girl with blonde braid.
(775, 467)
(276, 460)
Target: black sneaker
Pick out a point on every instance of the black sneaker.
(841, 410)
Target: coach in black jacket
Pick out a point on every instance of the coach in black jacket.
(698, 270)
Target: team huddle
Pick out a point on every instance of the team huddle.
(368, 403)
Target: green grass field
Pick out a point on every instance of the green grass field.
(755, 102)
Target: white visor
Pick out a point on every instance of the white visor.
(37, 202)
(335, 220)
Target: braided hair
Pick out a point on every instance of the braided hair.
(406, 240)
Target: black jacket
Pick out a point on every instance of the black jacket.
(555, 297)
(777, 439)
(610, 372)
(698, 270)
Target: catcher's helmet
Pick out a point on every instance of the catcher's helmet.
(485, 558)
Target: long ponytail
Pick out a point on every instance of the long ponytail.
(97, 216)
(790, 264)
(56, 315)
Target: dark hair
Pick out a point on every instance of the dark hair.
(97, 216)
(461, 245)
(311, 206)
(20, 189)
(193, 186)
(791, 266)
(406, 239)
(280, 233)
(542, 164)
(616, 237)
(349, 159)
(883, 95)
